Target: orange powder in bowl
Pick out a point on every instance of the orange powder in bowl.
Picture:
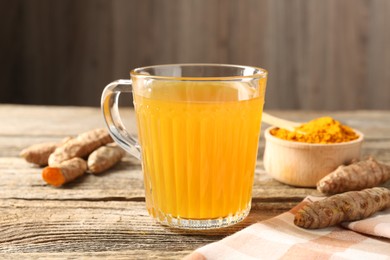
(323, 130)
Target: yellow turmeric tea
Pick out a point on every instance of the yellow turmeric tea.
(199, 156)
(323, 130)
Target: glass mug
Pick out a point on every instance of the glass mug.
(198, 132)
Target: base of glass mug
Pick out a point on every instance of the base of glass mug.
(200, 224)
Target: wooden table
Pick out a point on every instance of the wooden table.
(105, 215)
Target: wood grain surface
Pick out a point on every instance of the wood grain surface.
(104, 216)
(322, 55)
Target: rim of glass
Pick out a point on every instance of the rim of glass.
(259, 72)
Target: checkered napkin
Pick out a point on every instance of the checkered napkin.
(279, 238)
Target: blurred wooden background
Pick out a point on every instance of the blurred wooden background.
(321, 55)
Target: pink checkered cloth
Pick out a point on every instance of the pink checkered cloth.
(279, 238)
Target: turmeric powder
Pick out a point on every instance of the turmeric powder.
(321, 130)
(356, 176)
(348, 206)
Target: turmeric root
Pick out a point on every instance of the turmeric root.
(356, 176)
(103, 158)
(348, 206)
(39, 153)
(80, 146)
(64, 172)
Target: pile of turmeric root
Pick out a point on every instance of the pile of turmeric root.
(92, 151)
(354, 195)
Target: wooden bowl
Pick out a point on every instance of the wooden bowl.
(304, 164)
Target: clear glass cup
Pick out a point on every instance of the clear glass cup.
(198, 132)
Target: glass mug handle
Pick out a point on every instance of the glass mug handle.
(109, 104)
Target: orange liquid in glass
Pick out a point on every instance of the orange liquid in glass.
(199, 147)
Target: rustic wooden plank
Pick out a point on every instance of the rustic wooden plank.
(97, 228)
(132, 32)
(53, 121)
(11, 45)
(67, 51)
(123, 254)
(124, 182)
(378, 55)
(320, 54)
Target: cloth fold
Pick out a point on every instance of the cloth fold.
(279, 238)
